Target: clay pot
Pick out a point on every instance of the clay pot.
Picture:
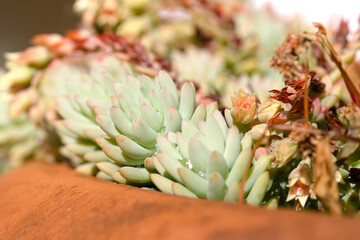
(43, 201)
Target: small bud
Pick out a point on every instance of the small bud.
(261, 151)
(267, 110)
(260, 131)
(244, 107)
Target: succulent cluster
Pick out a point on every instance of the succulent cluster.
(207, 159)
(113, 120)
(188, 126)
(238, 37)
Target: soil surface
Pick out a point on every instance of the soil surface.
(43, 201)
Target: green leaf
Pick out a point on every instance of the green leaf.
(136, 175)
(132, 149)
(143, 133)
(180, 190)
(217, 163)
(217, 186)
(232, 147)
(258, 191)
(187, 100)
(193, 182)
(171, 165)
(239, 167)
(261, 165)
(162, 183)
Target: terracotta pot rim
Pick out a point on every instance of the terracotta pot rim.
(52, 201)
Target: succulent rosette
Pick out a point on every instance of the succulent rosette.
(207, 159)
(111, 120)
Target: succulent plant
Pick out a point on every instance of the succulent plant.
(19, 139)
(122, 119)
(199, 66)
(111, 120)
(207, 160)
(232, 30)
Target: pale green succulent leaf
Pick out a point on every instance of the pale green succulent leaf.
(211, 108)
(216, 163)
(228, 118)
(164, 146)
(214, 136)
(217, 187)
(84, 107)
(120, 120)
(143, 133)
(104, 176)
(118, 178)
(171, 165)
(115, 154)
(194, 182)
(132, 149)
(108, 167)
(147, 85)
(136, 175)
(167, 100)
(155, 99)
(149, 165)
(100, 107)
(173, 120)
(152, 117)
(60, 128)
(166, 81)
(258, 191)
(87, 169)
(273, 203)
(246, 141)
(162, 183)
(261, 165)
(232, 147)
(78, 127)
(232, 194)
(198, 154)
(107, 125)
(66, 111)
(182, 144)
(222, 123)
(199, 114)
(80, 149)
(239, 167)
(93, 133)
(96, 156)
(187, 100)
(180, 190)
(188, 129)
(127, 104)
(158, 166)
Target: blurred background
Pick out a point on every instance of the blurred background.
(20, 20)
(326, 12)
